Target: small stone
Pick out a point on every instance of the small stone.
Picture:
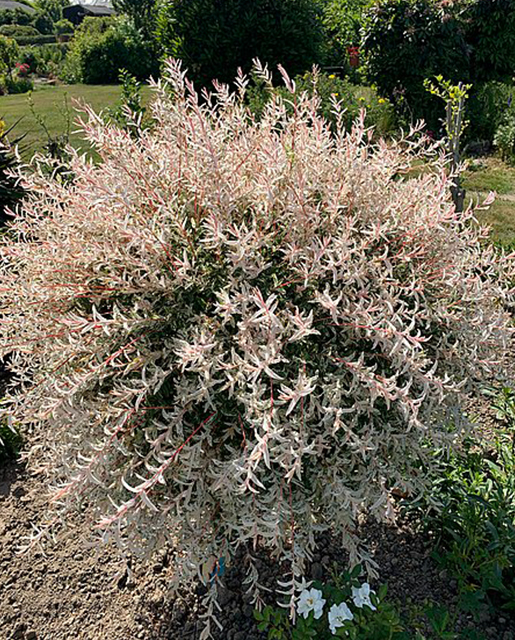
(19, 631)
(224, 597)
(502, 620)
(248, 611)
(317, 571)
(240, 635)
(31, 635)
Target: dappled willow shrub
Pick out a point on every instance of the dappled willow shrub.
(233, 331)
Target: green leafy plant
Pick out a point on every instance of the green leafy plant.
(454, 96)
(102, 47)
(504, 138)
(10, 441)
(11, 191)
(406, 41)
(490, 34)
(342, 20)
(347, 608)
(142, 13)
(472, 514)
(48, 14)
(129, 113)
(9, 55)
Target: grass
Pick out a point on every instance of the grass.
(491, 174)
(49, 104)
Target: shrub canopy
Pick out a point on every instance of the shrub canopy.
(233, 331)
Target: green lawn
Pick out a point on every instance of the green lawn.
(49, 104)
(491, 174)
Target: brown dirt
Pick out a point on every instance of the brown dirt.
(81, 593)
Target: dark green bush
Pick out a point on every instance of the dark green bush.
(407, 41)
(63, 27)
(215, 37)
(490, 34)
(15, 16)
(99, 51)
(486, 108)
(18, 30)
(10, 443)
(49, 12)
(17, 84)
(10, 190)
(35, 40)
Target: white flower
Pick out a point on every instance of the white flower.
(310, 600)
(361, 596)
(338, 614)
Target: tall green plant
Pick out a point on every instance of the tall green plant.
(142, 13)
(454, 96)
(406, 41)
(214, 38)
(490, 34)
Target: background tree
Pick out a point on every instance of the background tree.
(215, 37)
(342, 21)
(142, 13)
(48, 13)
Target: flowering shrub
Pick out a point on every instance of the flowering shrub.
(379, 112)
(22, 69)
(235, 332)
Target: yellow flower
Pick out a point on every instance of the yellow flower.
(2, 128)
(336, 94)
(332, 76)
(362, 99)
(382, 101)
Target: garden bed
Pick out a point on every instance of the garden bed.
(79, 591)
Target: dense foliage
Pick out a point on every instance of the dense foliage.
(11, 191)
(407, 41)
(233, 331)
(342, 20)
(379, 113)
(142, 13)
(490, 34)
(102, 47)
(215, 38)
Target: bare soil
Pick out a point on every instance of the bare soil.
(76, 592)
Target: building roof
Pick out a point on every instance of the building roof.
(96, 3)
(12, 4)
(88, 9)
(100, 10)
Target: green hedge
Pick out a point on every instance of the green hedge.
(37, 40)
